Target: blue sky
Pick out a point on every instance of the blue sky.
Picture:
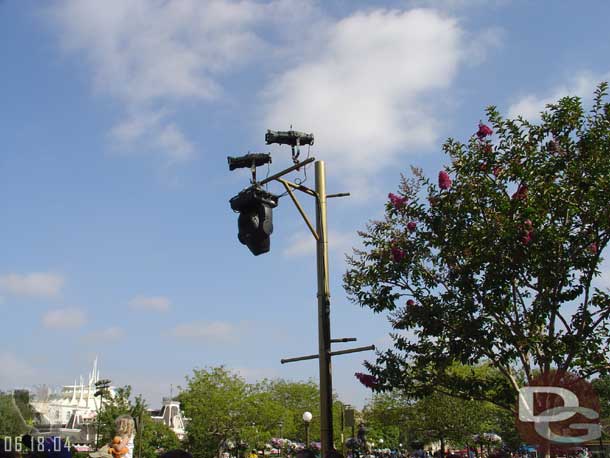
(118, 240)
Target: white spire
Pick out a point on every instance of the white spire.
(96, 375)
(80, 401)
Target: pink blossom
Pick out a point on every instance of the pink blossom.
(487, 148)
(397, 201)
(444, 181)
(367, 380)
(397, 254)
(411, 226)
(528, 224)
(483, 131)
(593, 248)
(497, 171)
(410, 302)
(527, 237)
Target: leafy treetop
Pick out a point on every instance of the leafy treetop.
(496, 262)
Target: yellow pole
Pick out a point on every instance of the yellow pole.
(324, 357)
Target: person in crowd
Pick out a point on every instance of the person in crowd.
(125, 430)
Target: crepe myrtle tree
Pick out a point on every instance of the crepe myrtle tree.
(495, 265)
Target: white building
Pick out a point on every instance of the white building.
(78, 400)
(73, 410)
(171, 415)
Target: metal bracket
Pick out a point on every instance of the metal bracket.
(288, 187)
(288, 170)
(332, 353)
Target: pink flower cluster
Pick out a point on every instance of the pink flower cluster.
(593, 248)
(444, 181)
(484, 131)
(397, 202)
(410, 307)
(398, 254)
(367, 380)
(411, 226)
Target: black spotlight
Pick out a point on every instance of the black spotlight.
(249, 160)
(288, 137)
(255, 223)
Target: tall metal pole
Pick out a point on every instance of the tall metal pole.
(97, 432)
(324, 357)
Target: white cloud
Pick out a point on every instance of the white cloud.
(582, 85)
(143, 50)
(150, 55)
(66, 318)
(106, 335)
(150, 130)
(150, 303)
(367, 91)
(35, 284)
(454, 5)
(215, 331)
(303, 244)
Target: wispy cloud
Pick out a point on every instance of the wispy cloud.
(456, 5)
(369, 92)
(212, 331)
(531, 105)
(106, 335)
(65, 318)
(35, 284)
(150, 129)
(152, 55)
(150, 303)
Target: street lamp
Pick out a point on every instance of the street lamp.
(307, 417)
